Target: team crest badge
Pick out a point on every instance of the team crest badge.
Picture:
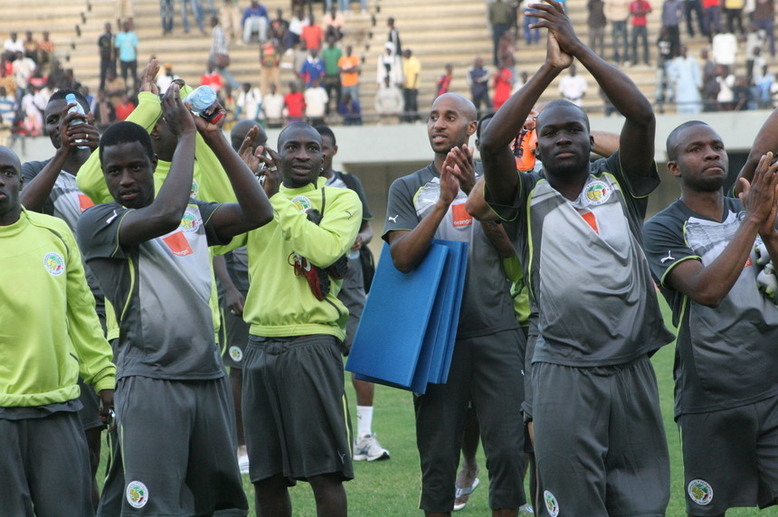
(137, 494)
(302, 203)
(54, 263)
(700, 491)
(189, 222)
(195, 189)
(236, 354)
(552, 505)
(598, 192)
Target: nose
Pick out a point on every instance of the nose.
(126, 179)
(711, 153)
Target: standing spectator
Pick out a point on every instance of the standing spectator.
(617, 12)
(710, 87)
(312, 34)
(220, 52)
(115, 87)
(46, 49)
(124, 11)
(231, 17)
(756, 66)
(296, 25)
(249, 103)
(211, 77)
(726, 81)
(711, 17)
(766, 88)
(733, 9)
(8, 114)
(106, 47)
(269, 62)
(197, 14)
(672, 14)
(596, 22)
(639, 9)
(724, 49)
(689, 7)
(315, 103)
(331, 56)
(754, 42)
(394, 36)
(389, 102)
(500, 18)
(389, 65)
(503, 82)
(13, 44)
(104, 112)
(166, 16)
(764, 19)
(507, 45)
(166, 77)
(294, 104)
(32, 106)
(478, 79)
(312, 69)
(333, 24)
(255, 19)
(126, 43)
(411, 71)
(444, 82)
(350, 69)
(664, 57)
(573, 86)
(31, 47)
(273, 107)
(350, 110)
(684, 74)
(23, 70)
(124, 108)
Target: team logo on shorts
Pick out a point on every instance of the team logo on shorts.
(189, 222)
(700, 491)
(236, 354)
(551, 503)
(302, 203)
(597, 192)
(54, 263)
(137, 494)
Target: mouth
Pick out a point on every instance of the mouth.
(717, 168)
(128, 195)
(3, 196)
(439, 138)
(563, 155)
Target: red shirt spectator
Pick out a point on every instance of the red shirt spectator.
(312, 36)
(639, 10)
(124, 109)
(295, 105)
(212, 79)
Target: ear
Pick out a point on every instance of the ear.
(471, 127)
(591, 139)
(672, 168)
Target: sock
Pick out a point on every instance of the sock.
(364, 420)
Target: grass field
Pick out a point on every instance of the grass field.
(391, 488)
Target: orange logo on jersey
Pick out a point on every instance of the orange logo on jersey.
(178, 244)
(460, 216)
(749, 262)
(84, 202)
(591, 221)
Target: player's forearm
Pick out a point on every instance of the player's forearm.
(35, 193)
(411, 248)
(476, 204)
(766, 141)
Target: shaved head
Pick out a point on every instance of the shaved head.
(559, 103)
(464, 105)
(9, 156)
(675, 138)
(241, 129)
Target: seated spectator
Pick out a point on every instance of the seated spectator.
(255, 19)
(231, 19)
(32, 108)
(249, 103)
(296, 24)
(7, 115)
(294, 104)
(30, 47)
(23, 68)
(724, 49)
(333, 24)
(503, 82)
(115, 87)
(124, 108)
(45, 50)
(104, 112)
(389, 102)
(742, 94)
(230, 103)
(312, 35)
(444, 82)
(211, 78)
(350, 110)
(316, 100)
(273, 107)
(279, 31)
(13, 45)
(166, 77)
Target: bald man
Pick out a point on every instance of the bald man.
(486, 365)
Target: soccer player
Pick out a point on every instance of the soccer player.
(352, 294)
(486, 365)
(294, 407)
(713, 257)
(51, 335)
(50, 188)
(599, 439)
(150, 254)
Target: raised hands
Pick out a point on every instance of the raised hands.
(148, 77)
(461, 166)
(759, 197)
(179, 119)
(551, 15)
(81, 134)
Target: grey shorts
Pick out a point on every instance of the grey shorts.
(295, 413)
(237, 338)
(178, 447)
(599, 440)
(526, 405)
(730, 458)
(45, 464)
(353, 296)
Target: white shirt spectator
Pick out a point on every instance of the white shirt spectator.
(23, 69)
(250, 104)
(724, 49)
(13, 46)
(389, 100)
(573, 88)
(315, 102)
(273, 106)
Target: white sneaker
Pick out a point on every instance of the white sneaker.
(526, 510)
(367, 448)
(243, 460)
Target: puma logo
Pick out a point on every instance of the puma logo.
(394, 219)
(669, 257)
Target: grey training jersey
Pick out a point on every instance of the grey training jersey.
(160, 290)
(589, 279)
(487, 306)
(726, 356)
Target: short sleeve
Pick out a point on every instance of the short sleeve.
(665, 246)
(207, 209)
(511, 212)
(637, 185)
(400, 213)
(98, 231)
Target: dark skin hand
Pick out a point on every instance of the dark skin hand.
(106, 406)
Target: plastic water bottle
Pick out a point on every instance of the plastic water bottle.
(202, 98)
(70, 99)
